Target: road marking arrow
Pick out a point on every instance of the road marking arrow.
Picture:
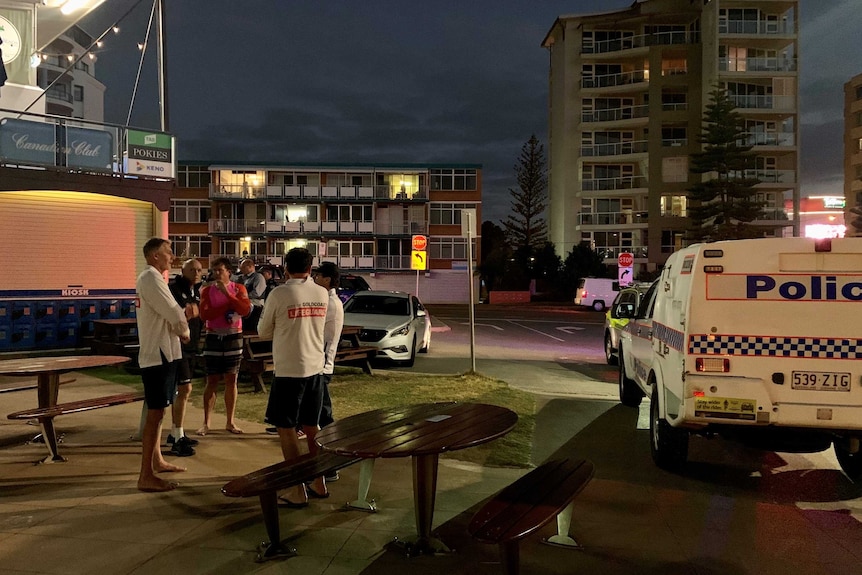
(570, 328)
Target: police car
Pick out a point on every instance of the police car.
(750, 339)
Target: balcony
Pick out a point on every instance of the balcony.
(237, 192)
(613, 252)
(392, 262)
(771, 215)
(756, 28)
(227, 226)
(319, 193)
(772, 176)
(617, 183)
(615, 149)
(674, 142)
(757, 64)
(612, 218)
(616, 114)
(764, 102)
(641, 41)
(787, 139)
(610, 80)
(400, 229)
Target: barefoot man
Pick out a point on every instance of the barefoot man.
(162, 326)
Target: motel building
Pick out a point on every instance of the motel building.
(78, 197)
(820, 216)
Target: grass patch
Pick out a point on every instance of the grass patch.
(353, 392)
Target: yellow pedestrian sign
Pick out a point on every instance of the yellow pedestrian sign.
(418, 261)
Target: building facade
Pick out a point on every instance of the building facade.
(853, 155)
(627, 92)
(362, 217)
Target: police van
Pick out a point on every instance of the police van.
(754, 340)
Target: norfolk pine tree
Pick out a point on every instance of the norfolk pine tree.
(724, 205)
(526, 228)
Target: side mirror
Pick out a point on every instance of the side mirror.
(421, 313)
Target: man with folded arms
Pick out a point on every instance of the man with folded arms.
(294, 317)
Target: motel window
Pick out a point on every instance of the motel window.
(191, 246)
(449, 248)
(190, 211)
(453, 179)
(446, 213)
(193, 177)
(78, 92)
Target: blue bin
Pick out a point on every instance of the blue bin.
(66, 333)
(5, 312)
(88, 310)
(5, 336)
(127, 308)
(23, 335)
(23, 311)
(46, 311)
(66, 309)
(46, 334)
(109, 309)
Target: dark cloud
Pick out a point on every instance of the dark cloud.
(401, 81)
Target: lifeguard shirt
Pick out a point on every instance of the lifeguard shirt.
(294, 317)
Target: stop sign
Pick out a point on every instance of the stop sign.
(625, 260)
(420, 243)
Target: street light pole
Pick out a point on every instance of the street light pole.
(163, 70)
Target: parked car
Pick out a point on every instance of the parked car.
(617, 317)
(597, 293)
(396, 323)
(350, 284)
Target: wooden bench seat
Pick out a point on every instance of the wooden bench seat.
(530, 503)
(23, 385)
(361, 355)
(265, 484)
(77, 406)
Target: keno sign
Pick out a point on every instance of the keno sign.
(625, 260)
(420, 243)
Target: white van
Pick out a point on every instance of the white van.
(755, 340)
(597, 293)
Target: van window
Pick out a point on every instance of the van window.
(648, 302)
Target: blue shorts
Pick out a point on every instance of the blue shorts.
(160, 384)
(294, 400)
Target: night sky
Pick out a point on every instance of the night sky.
(402, 81)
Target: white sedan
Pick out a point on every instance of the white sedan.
(396, 323)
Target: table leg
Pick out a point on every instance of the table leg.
(274, 547)
(48, 388)
(366, 468)
(424, 494)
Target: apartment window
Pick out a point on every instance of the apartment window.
(859, 92)
(445, 213)
(78, 91)
(674, 206)
(190, 211)
(858, 119)
(673, 100)
(349, 213)
(350, 248)
(449, 248)
(193, 177)
(191, 246)
(674, 136)
(453, 179)
(859, 172)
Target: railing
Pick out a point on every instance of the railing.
(316, 192)
(757, 64)
(772, 176)
(615, 149)
(237, 191)
(256, 258)
(675, 71)
(616, 114)
(226, 226)
(770, 139)
(353, 228)
(617, 183)
(621, 79)
(674, 142)
(59, 94)
(402, 229)
(612, 218)
(763, 101)
(772, 215)
(674, 107)
(753, 27)
(392, 262)
(640, 41)
(613, 252)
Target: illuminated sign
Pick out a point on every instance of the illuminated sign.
(833, 203)
(820, 231)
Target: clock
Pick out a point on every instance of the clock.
(11, 46)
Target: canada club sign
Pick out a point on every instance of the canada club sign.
(150, 154)
(39, 143)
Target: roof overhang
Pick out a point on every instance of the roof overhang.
(53, 17)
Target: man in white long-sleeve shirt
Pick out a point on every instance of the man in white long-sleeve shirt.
(162, 325)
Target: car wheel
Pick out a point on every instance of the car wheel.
(630, 394)
(412, 360)
(668, 445)
(599, 305)
(851, 463)
(609, 350)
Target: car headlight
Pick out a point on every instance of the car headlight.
(401, 331)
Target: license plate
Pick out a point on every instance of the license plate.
(821, 380)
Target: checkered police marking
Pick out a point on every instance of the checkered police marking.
(750, 345)
(671, 337)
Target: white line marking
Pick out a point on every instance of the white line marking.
(535, 330)
(570, 328)
(483, 324)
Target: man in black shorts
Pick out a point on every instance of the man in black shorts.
(294, 317)
(162, 326)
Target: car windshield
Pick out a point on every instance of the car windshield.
(378, 304)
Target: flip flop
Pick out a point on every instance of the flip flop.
(314, 494)
(285, 502)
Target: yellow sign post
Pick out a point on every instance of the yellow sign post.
(418, 261)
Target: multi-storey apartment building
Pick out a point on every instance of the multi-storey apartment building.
(362, 217)
(628, 89)
(853, 155)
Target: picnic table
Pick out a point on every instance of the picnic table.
(421, 432)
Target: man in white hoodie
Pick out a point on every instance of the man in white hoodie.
(162, 325)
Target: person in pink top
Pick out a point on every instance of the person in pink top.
(223, 305)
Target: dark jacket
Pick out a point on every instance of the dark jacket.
(186, 293)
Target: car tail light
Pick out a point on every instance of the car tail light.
(712, 364)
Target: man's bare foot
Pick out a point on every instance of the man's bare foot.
(234, 429)
(203, 430)
(156, 485)
(165, 467)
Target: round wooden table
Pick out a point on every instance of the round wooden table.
(421, 432)
(47, 371)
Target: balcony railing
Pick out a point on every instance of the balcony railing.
(613, 252)
(770, 139)
(621, 79)
(227, 226)
(757, 64)
(59, 94)
(763, 102)
(615, 149)
(772, 176)
(352, 228)
(392, 262)
(237, 191)
(402, 229)
(768, 27)
(328, 193)
(674, 106)
(629, 42)
(617, 183)
(616, 114)
(674, 142)
(612, 218)
(772, 215)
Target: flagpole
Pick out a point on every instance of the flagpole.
(163, 70)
